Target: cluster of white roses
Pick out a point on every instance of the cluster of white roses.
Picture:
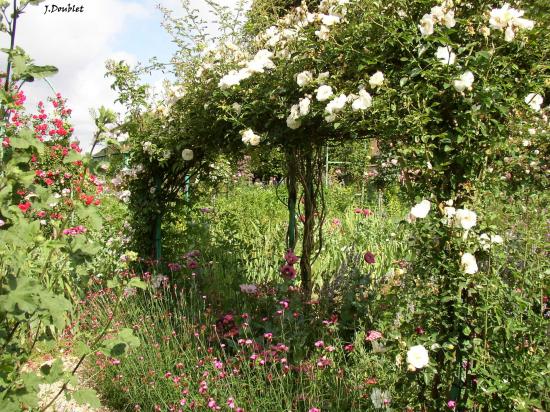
(463, 218)
(510, 20)
(259, 63)
(360, 101)
(250, 138)
(443, 14)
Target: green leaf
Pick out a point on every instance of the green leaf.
(81, 349)
(137, 283)
(54, 372)
(89, 396)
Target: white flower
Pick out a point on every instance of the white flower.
(426, 25)
(534, 100)
(464, 82)
(236, 107)
(363, 101)
(304, 106)
(330, 118)
(509, 34)
(329, 19)
(526, 143)
(524, 24)
(497, 239)
(324, 92)
(449, 213)
(437, 13)
(233, 78)
(417, 357)
(323, 76)
(468, 263)
(336, 105)
(465, 218)
(445, 55)
(448, 19)
(503, 17)
(293, 122)
(377, 79)
(261, 61)
(187, 154)
(304, 78)
(421, 209)
(323, 33)
(251, 138)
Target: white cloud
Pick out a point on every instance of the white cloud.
(78, 45)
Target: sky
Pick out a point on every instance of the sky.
(78, 44)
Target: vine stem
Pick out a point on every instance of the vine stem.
(12, 44)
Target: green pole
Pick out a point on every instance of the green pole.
(186, 182)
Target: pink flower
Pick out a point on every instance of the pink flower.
(183, 402)
(369, 258)
(451, 404)
(288, 271)
(268, 335)
(373, 335)
(336, 222)
(319, 344)
(323, 362)
(231, 403)
(290, 257)
(284, 304)
(314, 410)
(349, 347)
(330, 348)
(191, 264)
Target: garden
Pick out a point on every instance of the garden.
(334, 205)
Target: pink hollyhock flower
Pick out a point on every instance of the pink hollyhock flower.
(290, 257)
(288, 271)
(373, 335)
(369, 258)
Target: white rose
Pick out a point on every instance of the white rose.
(445, 55)
(509, 34)
(362, 102)
(249, 137)
(304, 106)
(417, 357)
(337, 104)
(329, 19)
(467, 219)
(464, 82)
(323, 33)
(468, 263)
(377, 79)
(426, 25)
(237, 107)
(324, 92)
(187, 154)
(304, 78)
(497, 239)
(421, 209)
(293, 122)
(534, 100)
(448, 19)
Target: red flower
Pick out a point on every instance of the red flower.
(24, 206)
(369, 258)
